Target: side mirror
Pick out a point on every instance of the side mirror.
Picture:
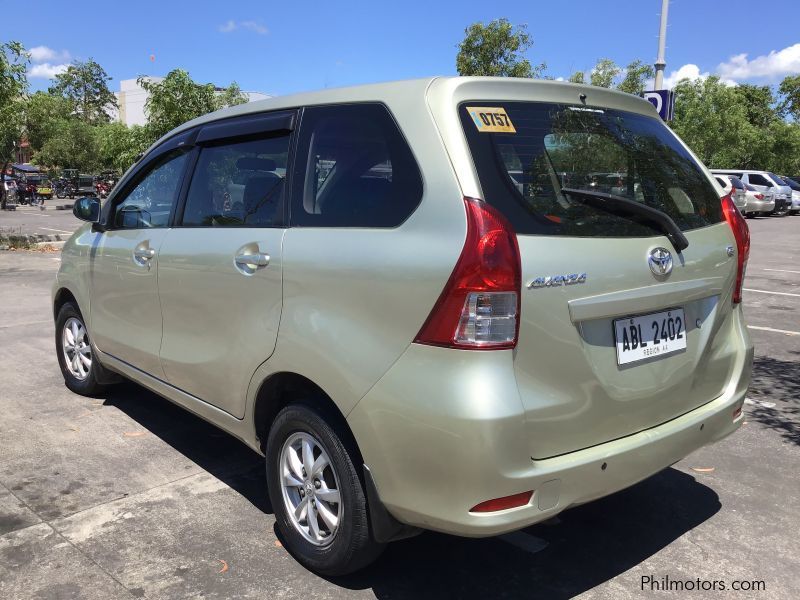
(87, 209)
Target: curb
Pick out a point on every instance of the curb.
(7, 241)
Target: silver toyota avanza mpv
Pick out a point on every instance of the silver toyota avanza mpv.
(457, 304)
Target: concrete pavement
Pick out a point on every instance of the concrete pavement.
(128, 496)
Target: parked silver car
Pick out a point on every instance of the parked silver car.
(758, 203)
(795, 206)
(764, 181)
(733, 185)
(421, 301)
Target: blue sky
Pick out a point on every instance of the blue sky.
(284, 47)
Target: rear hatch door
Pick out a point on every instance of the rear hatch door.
(619, 331)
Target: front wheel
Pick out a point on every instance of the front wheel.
(318, 498)
(75, 356)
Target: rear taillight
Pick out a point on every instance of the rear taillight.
(479, 307)
(742, 234)
(759, 196)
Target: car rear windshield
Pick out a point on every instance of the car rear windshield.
(791, 183)
(737, 183)
(776, 179)
(526, 152)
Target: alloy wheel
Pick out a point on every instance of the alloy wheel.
(310, 489)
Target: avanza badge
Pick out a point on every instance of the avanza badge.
(490, 119)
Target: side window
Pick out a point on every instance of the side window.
(239, 184)
(358, 169)
(756, 179)
(721, 181)
(149, 203)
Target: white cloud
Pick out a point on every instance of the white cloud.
(43, 54)
(774, 65)
(46, 70)
(254, 26)
(689, 71)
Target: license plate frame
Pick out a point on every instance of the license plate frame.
(629, 331)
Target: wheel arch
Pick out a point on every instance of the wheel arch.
(281, 389)
(61, 297)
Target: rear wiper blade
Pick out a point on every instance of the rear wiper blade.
(623, 206)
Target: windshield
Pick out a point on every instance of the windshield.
(791, 183)
(528, 152)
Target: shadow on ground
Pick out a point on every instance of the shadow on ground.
(220, 454)
(776, 381)
(588, 545)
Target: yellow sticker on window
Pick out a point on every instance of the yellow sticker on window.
(490, 119)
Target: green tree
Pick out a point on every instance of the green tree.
(636, 75)
(13, 85)
(712, 119)
(85, 85)
(496, 49)
(42, 113)
(604, 73)
(231, 96)
(790, 91)
(118, 145)
(577, 77)
(72, 143)
(178, 98)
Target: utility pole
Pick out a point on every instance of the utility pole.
(662, 43)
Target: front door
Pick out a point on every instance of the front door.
(125, 315)
(219, 273)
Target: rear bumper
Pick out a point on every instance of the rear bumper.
(439, 443)
(756, 206)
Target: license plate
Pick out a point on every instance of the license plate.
(648, 336)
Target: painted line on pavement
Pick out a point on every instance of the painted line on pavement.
(782, 271)
(769, 292)
(784, 331)
(58, 230)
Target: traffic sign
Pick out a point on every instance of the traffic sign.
(663, 100)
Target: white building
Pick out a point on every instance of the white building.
(131, 99)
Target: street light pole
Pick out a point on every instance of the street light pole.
(662, 44)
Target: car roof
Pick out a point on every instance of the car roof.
(411, 90)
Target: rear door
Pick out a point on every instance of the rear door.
(220, 267)
(619, 330)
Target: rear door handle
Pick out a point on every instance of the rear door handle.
(259, 259)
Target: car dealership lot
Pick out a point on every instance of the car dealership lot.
(128, 496)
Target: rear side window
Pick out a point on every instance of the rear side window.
(355, 169)
(722, 182)
(756, 179)
(239, 184)
(524, 163)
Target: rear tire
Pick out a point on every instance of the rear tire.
(345, 547)
(75, 355)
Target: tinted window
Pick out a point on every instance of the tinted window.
(354, 169)
(552, 146)
(722, 182)
(239, 184)
(791, 183)
(776, 179)
(756, 179)
(149, 203)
